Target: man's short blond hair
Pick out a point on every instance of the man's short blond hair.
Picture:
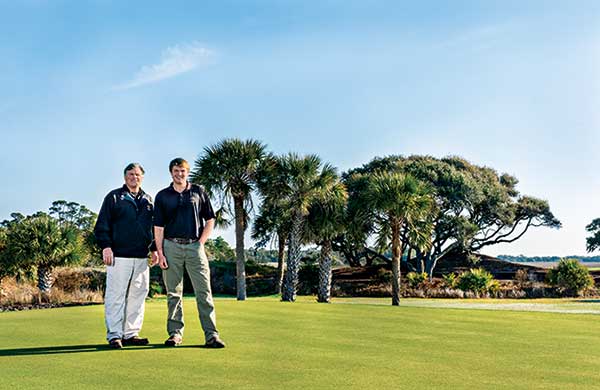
(179, 162)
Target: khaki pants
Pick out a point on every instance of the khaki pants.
(127, 282)
(192, 258)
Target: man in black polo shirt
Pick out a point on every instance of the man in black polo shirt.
(183, 221)
(124, 232)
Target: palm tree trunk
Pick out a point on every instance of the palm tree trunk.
(396, 256)
(290, 284)
(324, 294)
(45, 281)
(240, 256)
(280, 256)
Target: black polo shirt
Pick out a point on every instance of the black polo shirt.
(182, 215)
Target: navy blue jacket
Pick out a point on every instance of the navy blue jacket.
(125, 223)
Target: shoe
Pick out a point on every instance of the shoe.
(135, 340)
(173, 341)
(115, 343)
(214, 342)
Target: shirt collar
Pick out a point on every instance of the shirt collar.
(187, 187)
(126, 189)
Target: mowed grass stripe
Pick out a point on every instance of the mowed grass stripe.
(273, 344)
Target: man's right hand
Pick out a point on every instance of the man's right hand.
(153, 258)
(162, 261)
(107, 256)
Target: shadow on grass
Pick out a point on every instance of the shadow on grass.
(587, 301)
(63, 349)
(219, 296)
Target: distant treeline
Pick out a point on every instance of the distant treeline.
(527, 259)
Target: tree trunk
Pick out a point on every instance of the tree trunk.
(280, 256)
(290, 284)
(45, 281)
(324, 294)
(429, 265)
(396, 257)
(420, 259)
(240, 256)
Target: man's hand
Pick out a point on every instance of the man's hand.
(107, 256)
(162, 261)
(153, 258)
(208, 228)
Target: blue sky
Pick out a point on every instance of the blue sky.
(88, 86)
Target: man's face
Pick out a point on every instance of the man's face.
(179, 175)
(133, 178)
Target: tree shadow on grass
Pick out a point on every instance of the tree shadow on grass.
(63, 349)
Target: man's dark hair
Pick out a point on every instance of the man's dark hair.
(178, 162)
(130, 166)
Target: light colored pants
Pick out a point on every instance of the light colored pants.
(127, 284)
(192, 258)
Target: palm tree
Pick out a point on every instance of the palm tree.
(274, 221)
(272, 224)
(401, 204)
(296, 182)
(325, 222)
(227, 170)
(41, 242)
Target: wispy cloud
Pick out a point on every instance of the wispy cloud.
(481, 37)
(175, 60)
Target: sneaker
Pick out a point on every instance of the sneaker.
(135, 340)
(173, 340)
(115, 343)
(214, 342)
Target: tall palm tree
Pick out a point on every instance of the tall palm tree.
(325, 222)
(399, 202)
(296, 182)
(227, 170)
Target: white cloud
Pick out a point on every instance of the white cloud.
(175, 60)
(481, 37)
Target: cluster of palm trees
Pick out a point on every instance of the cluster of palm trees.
(302, 201)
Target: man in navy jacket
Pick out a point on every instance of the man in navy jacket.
(124, 232)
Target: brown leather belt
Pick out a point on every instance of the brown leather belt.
(182, 241)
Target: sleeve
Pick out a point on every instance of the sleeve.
(103, 228)
(159, 211)
(152, 246)
(206, 212)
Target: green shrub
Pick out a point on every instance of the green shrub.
(493, 286)
(473, 259)
(308, 278)
(450, 280)
(254, 268)
(570, 276)
(384, 276)
(415, 279)
(476, 280)
(155, 289)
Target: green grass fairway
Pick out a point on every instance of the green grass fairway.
(360, 344)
